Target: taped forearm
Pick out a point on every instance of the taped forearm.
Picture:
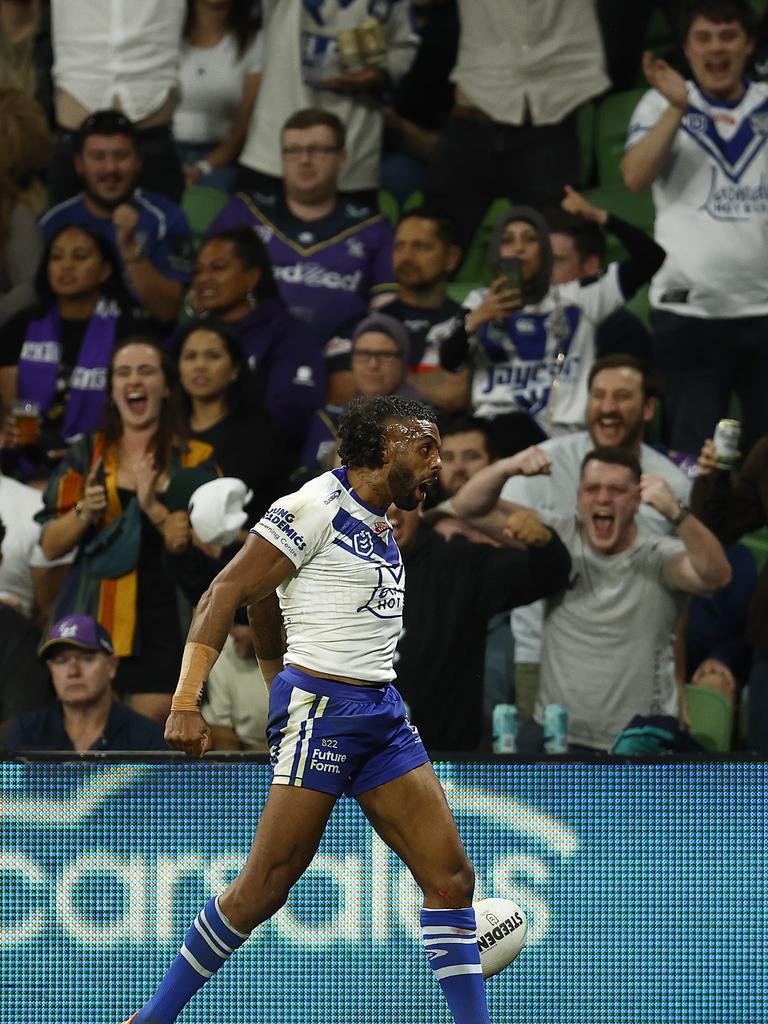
(197, 661)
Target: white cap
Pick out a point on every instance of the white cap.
(216, 510)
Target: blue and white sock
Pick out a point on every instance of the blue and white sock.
(450, 939)
(207, 945)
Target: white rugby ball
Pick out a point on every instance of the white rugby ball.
(501, 931)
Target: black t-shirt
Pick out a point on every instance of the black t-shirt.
(426, 329)
(247, 447)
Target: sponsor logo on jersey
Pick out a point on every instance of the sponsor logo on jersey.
(729, 200)
(333, 496)
(355, 248)
(435, 954)
(306, 238)
(304, 376)
(315, 275)
(759, 123)
(265, 234)
(282, 520)
(386, 600)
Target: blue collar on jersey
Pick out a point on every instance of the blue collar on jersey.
(341, 476)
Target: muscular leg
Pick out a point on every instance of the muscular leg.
(412, 816)
(287, 836)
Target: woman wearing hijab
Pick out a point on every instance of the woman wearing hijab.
(530, 344)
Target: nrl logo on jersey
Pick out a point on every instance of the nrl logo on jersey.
(355, 248)
(695, 122)
(264, 233)
(759, 123)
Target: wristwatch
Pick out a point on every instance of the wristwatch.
(682, 514)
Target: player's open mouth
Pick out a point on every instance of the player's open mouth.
(717, 67)
(602, 525)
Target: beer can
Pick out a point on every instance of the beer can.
(727, 433)
(348, 45)
(370, 39)
(504, 729)
(555, 729)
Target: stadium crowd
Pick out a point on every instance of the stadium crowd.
(222, 220)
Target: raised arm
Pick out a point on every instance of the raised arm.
(703, 566)
(252, 575)
(646, 160)
(480, 494)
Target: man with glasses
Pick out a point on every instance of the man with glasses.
(332, 257)
(85, 716)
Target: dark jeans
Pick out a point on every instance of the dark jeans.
(757, 698)
(701, 363)
(478, 162)
(160, 169)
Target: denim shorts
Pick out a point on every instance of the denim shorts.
(336, 737)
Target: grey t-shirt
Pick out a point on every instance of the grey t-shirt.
(607, 646)
(556, 495)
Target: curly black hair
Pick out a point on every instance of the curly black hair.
(362, 428)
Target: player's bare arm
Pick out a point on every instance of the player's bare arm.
(267, 636)
(252, 575)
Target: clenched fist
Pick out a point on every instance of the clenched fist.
(525, 527)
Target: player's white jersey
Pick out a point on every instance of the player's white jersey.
(538, 359)
(712, 205)
(343, 607)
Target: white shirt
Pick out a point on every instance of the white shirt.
(21, 549)
(343, 608)
(555, 495)
(711, 205)
(515, 364)
(212, 81)
(117, 50)
(236, 697)
(300, 43)
(545, 57)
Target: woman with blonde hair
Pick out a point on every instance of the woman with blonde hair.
(26, 148)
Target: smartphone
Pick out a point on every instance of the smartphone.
(99, 476)
(512, 268)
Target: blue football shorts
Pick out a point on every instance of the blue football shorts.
(336, 737)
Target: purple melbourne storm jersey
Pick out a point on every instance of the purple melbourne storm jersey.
(327, 270)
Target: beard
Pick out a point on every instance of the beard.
(404, 488)
(108, 204)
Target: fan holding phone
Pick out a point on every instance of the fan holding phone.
(530, 344)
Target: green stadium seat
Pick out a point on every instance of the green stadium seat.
(636, 207)
(414, 199)
(612, 120)
(459, 290)
(711, 718)
(475, 266)
(757, 543)
(388, 205)
(202, 206)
